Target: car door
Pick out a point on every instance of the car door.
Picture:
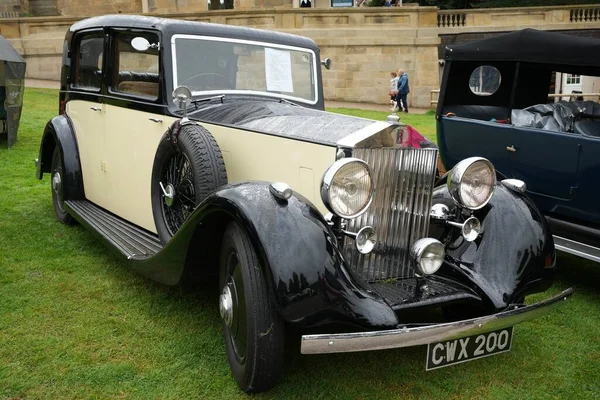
(86, 111)
(546, 160)
(584, 206)
(134, 124)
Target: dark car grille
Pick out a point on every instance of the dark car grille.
(404, 180)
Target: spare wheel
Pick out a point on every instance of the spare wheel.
(188, 166)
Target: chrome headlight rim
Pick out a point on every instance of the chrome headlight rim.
(327, 180)
(455, 178)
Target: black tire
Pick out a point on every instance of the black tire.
(57, 187)
(255, 337)
(193, 165)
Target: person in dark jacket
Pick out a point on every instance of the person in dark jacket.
(403, 91)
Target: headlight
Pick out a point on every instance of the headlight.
(471, 182)
(347, 188)
(428, 253)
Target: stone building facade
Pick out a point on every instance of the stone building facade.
(365, 44)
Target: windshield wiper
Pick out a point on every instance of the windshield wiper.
(220, 97)
(288, 102)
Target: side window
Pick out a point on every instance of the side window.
(88, 62)
(485, 80)
(136, 72)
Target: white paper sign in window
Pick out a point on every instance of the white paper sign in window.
(278, 69)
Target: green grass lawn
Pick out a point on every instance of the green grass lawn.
(76, 323)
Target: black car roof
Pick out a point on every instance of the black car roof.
(175, 26)
(530, 45)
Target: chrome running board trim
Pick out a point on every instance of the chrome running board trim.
(577, 248)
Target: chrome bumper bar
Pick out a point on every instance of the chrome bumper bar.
(406, 337)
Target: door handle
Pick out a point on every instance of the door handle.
(96, 108)
(157, 120)
(511, 148)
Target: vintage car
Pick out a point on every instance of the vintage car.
(202, 151)
(494, 103)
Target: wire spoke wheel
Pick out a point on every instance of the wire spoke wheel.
(179, 175)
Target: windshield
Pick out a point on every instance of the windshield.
(209, 65)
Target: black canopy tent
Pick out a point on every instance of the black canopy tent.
(12, 76)
(526, 60)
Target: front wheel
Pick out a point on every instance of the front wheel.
(253, 331)
(57, 184)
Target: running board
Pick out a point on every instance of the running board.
(132, 241)
(577, 248)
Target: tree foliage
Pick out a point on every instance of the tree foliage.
(462, 4)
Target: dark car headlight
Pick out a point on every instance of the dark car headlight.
(347, 188)
(471, 182)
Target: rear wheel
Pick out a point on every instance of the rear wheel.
(253, 331)
(56, 182)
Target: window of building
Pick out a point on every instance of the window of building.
(573, 79)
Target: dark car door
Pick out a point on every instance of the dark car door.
(585, 203)
(547, 161)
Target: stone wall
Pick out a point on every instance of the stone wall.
(365, 44)
(83, 8)
(8, 7)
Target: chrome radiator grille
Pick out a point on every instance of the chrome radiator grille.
(404, 180)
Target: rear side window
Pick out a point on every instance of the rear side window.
(88, 62)
(136, 72)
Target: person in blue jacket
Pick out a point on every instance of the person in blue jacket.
(403, 90)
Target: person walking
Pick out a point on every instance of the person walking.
(393, 89)
(403, 90)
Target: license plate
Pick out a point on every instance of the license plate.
(456, 351)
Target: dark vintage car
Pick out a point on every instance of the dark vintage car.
(494, 103)
(203, 152)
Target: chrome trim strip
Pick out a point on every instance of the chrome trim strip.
(577, 248)
(352, 140)
(405, 337)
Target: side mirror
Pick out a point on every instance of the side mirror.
(326, 63)
(140, 43)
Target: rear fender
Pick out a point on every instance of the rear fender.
(58, 132)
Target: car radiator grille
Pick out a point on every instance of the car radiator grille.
(399, 213)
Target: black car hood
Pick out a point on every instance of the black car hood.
(282, 119)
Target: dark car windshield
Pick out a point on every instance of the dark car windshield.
(209, 65)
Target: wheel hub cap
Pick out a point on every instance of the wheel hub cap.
(226, 306)
(169, 193)
(56, 182)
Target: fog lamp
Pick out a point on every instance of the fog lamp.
(428, 254)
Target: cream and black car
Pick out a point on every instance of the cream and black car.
(203, 152)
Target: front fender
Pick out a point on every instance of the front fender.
(298, 251)
(513, 256)
(58, 132)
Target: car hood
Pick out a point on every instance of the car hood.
(283, 119)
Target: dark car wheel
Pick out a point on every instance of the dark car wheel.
(56, 183)
(185, 172)
(253, 331)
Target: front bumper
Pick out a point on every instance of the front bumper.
(406, 337)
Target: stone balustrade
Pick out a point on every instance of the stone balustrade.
(503, 19)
